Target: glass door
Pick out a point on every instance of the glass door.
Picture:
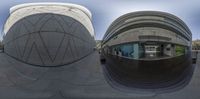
(152, 50)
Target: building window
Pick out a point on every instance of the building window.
(180, 50)
(147, 50)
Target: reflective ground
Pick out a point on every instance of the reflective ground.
(149, 74)
(81, 80)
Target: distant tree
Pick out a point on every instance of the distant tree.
(196, 44)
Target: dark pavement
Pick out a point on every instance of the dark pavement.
(83, 79)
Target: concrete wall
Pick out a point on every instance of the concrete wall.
(132, 35)
(168, 50)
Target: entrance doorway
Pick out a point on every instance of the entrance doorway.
(152, 51)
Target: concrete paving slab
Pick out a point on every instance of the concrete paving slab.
(82, 80)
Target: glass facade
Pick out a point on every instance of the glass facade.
(126, 50)
(147, 50)
(180, 50)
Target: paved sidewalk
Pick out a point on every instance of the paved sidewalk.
(83, 79)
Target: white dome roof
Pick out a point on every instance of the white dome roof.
(78, 12)
(85, 10)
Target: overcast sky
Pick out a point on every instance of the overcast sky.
(106, 11)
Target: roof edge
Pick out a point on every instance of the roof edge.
(82, 8)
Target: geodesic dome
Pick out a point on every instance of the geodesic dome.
(48, 34)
